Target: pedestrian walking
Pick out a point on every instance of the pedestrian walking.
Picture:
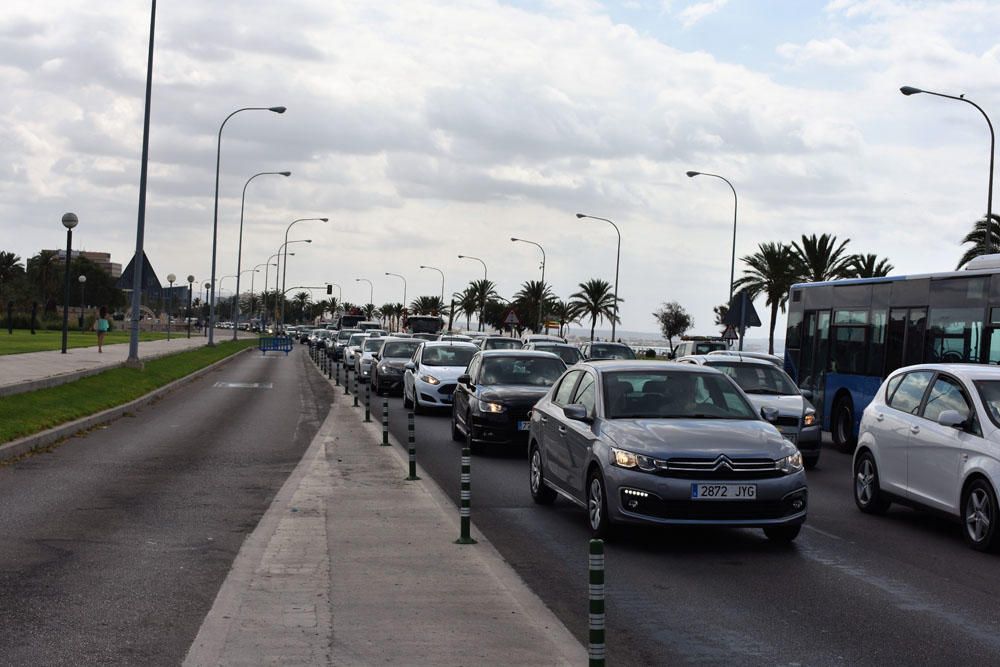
(102, 326)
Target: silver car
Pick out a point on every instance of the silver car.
(664, 443)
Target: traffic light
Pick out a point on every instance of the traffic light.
(329, 289)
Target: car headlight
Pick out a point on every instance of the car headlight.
(791, 464)
(487, 406)
(429, 379)
(626, 459)
(810, 418)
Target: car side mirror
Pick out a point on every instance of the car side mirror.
(576, 412)
(807, 394)
(951, 418)
(769, 414)
(410, 366)
(375, 356)
(464, 378)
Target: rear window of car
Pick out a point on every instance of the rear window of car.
(535, 371)
(356, 339)
(599, 351)
(399, 349)
(373, 344)
(502, 344)
(757, 378)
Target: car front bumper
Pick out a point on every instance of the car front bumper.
(501, 427)
(810, 438)
(434, 394)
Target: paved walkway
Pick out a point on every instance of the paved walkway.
(352, 565)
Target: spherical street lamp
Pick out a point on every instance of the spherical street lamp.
(190, 284)
(69, 221)
(83, 283)
(170, 296)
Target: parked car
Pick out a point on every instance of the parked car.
(606, 350)
(540, 338)
(654, 442)
(931, 438)
(570, 354)
(387, 371)
(430, 376)
(493, 400)
(773, 358)
(498, 343)
(766, 385)
(698, 345)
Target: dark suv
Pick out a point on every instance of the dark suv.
(599, 350)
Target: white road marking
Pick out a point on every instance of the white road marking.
(244, 385)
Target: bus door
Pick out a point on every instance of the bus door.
(814, 354)
(992, 353)
(904, 344)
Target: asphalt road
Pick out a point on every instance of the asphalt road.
(114, 545)
(853, 589)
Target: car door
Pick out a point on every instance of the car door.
(896, 424)
(463, 393)
(555, 455)
(579, 435)
(934, 453)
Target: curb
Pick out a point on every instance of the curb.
(17, 448)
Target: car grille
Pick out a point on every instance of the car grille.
(447, 389)
(729, 510)
(718, 468)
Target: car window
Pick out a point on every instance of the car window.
(891, 386)
(757, 378)
(989, 393)
(536, 371)
(398, 349)
(910, 392)
(356, 340)
(373, 344)
(565, 390)
(473, 369)
(672, 395)
(501, 344)
(946, 394)
(585, 394)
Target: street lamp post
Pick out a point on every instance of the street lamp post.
(170, 301)
(404, 287)
(434, 268)
(190, 294)
(69, 221)
(736, 203)
(263, 294)
(239, 246)
(207, 285)
(618, 258)
(541, 300)
(910, 90)
(83, 285)
(284, 264)
(482, 311)
(236, 298)
(215, 219)
(256, 270)
(371, 289)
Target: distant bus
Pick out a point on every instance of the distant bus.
(845, 336)
(423, 324)
(349, 321)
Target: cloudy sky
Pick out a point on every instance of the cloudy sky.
(427, 129)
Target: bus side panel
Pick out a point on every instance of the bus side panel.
(862, 389)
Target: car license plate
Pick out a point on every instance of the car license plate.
(523, 426)
(723, 492)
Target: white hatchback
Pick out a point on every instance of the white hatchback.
(431, 375)
(931, 438)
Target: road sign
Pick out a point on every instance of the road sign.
(741, 312)
(729, 333)
(511, 319)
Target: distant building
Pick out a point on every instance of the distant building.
(101, 259)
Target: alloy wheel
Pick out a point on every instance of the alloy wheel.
(864, 482)
(536, 471)
(595, 503)
(978, 515)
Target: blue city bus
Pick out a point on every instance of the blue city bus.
(845, 336)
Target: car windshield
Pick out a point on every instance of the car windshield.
(344, 335)
(758, 378)
(989, 392)
(356, 339)
(673, 395)
(396, 349)
(705, 348)
(373, 344)
(570, 355)
(448, 355)
(535, 371)
(502, 344)
(611, 351)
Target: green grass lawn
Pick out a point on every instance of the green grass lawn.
(22, 341)
(35, 411)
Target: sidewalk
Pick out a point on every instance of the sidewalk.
(352, 565)
(37, 370)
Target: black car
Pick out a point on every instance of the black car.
(387, 367)
(568, 353)
(493, 400)
(608, 350)
(499, 343)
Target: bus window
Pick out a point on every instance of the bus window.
(954, 335)
(806, 365)
(895, 337)
(915, 327)
(822, 339)
(848, 349)
(876, 343)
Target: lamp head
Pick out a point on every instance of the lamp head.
(325, 219)
(514, 239)
(692, 174)
(308, 240)
(171, 278)
(581, 215)
(70, 220)
(461, 256)
(285, 173)
(910, 90)
(277, 109)
(190, 279)
(82, 279)
(207, 284)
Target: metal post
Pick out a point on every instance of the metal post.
(411, 445)
(465, 499)
(368, 401)
(385, 421)
(336, 373)
(69, 252)
(595, 649)
(355, 390)
(329, 365)
(347, 379)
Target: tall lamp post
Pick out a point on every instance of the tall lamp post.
(256, 270)
(284, 264)
(69, 221)
(618, 258)
(541, 300)
(404, 287)
(83, 286)
(736, 203)
(236, 298)
(205, 301)
(170, 301)
(190, 294)
(482, 311)
(910, 90)
(215, 219)
(371, 289)
(434, 268)
(263, 294)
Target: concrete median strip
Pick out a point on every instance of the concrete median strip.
(352, 564)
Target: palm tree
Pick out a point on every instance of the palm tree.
(10, 269)
(369, 310)
(532, 300)
(41, 272)
(595, 299)
(770, 271)
(484, 290)
(821, 258)
(868, 266)
(562, 312)
(978, 237)
(299, 303)
(467, 304)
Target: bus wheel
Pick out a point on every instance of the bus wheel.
(842, 425)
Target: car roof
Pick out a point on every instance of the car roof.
(605, 365)
(730, 359)
(449, 343)
(486, 354)
(967, 371)
(552, 343)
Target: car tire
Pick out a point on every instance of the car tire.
(842, 425)
(540, 493)
(810, 460)
(979, 516)
(597, 506)
(782, 534)
(456, 434)
(375, 385)
(417, 408)
(868, 494)
(406, 399)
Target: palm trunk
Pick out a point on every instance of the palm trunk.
(593, 324)
(774, 322)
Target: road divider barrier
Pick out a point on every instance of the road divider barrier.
(385, 421)
(368, 402)
(355, 390)
(347, 379)
(595, 647)
(411, 445)
(465, 499)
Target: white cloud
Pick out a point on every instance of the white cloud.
(692, 14)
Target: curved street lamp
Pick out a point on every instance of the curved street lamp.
(434, 268)
(404, 285)
(618, 257)
(282, 261)
(215, 218)
(371, 289)
(732, 261)
(284, 267)
(482, 311)
(541, 301)
(910, 90)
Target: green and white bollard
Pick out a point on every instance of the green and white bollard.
(336, 374)
(347, 379)
(411, 443)
(329, 366)
(355, 390)
(465, 517)
(368, 401)
(385, 421)
(595, 649)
